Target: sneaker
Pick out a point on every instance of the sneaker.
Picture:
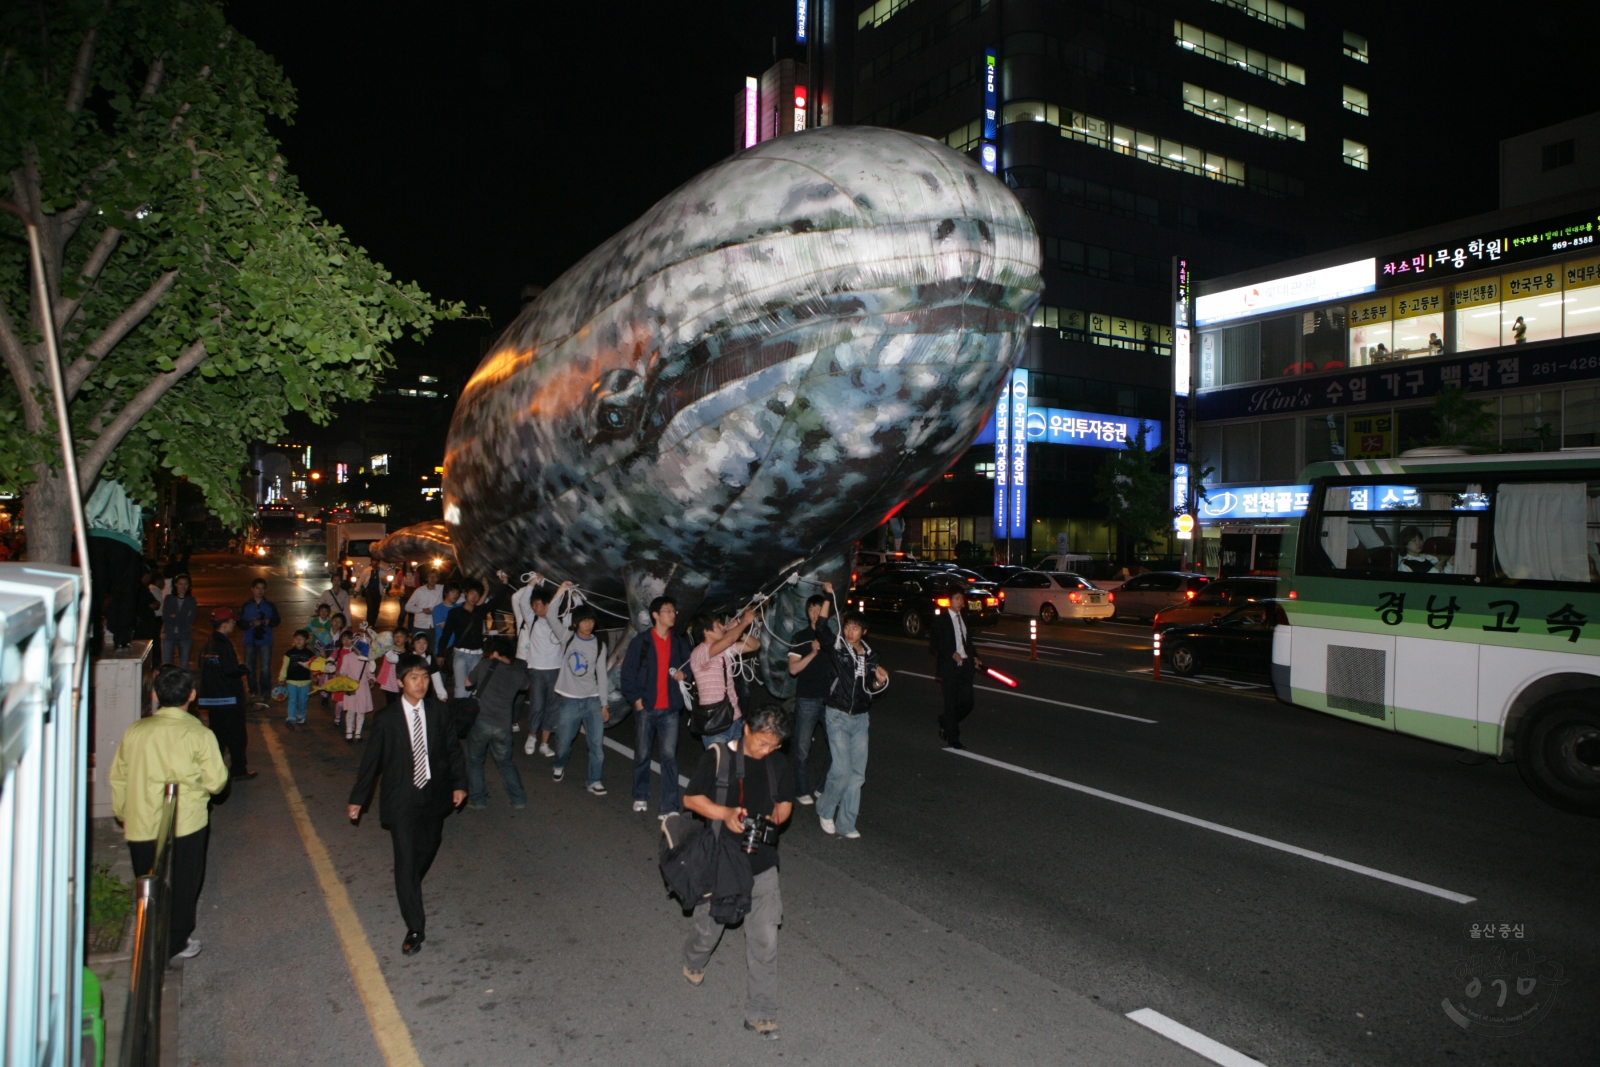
(516, 727)
(520, 806)
(547, 752)
(558, 774)
(853, 835)
(190, 951)
(827, 825)
(641, 805)
(693, 977)
(766, 1028)
(597, 788)
(530, 745)
(476, 807)
(807, 799)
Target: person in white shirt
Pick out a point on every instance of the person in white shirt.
(955, 664)
(540, 648)
(585, 687)
(421, 603)
(335, 596)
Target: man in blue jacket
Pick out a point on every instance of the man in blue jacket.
(651, 670)
(256, 620)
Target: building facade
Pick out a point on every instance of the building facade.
(1229, 133)
(1344, 356)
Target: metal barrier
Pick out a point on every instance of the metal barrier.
(44, 757)
(152, 928)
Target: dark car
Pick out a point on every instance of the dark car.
(999, 572)
(1216, 599)
(1144, 596)
(913, 597)
(1241, 641)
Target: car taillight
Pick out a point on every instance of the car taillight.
(943, 602)
(1002, 594)
(1293, 595)
(1111, 597)
(1189, 595)
(1076, 598)
(990, 601)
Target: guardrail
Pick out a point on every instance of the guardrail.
(152, 927)
(44, 758)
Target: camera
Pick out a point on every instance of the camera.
(758, 830)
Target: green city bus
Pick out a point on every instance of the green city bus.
(1457, 598)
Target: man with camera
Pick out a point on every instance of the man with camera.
(760, 799)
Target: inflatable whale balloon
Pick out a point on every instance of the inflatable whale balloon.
(750, 377)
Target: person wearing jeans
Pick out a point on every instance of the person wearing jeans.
(586, 693)
(496, 681)
(588, 713)
(811, 664)
(651, 670)
(857, 679)
(257, 618)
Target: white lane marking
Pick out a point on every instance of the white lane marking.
(1207, 679)
(1206, 824)
(1042, 648)
(1042, 700)
(618, 746)
(1193, 1040)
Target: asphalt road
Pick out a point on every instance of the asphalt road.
(1284, 883)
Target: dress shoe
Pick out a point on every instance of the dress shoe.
(246, 774)
(412, 944)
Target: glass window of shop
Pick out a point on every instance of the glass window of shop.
(1475, 309)
(1580, 305)
(1278, 463)
(1419, 324)
(1241, 452)
(1530, 422)
(1531, 307)
(1371, 325)
(1580, 417)
(1323, 438)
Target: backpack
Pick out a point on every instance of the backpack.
(702, 864)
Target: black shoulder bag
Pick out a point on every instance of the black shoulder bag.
(464, 711)
(710, 719)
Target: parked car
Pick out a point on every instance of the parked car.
(1071, 562)
(866, 558)
(1055, 596)
(1145, 595)
(1241, 640)
(1216, 600)
(998, 572)
(912, 597)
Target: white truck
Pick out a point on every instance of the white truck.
(349, 544)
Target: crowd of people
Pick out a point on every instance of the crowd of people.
(435, 697)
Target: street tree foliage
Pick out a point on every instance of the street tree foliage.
(199, 295)
(1134, 487)
(1462, 421)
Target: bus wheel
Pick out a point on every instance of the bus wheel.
(1184, 663)
(1558, 752)
(1047, 614)
(911, 623)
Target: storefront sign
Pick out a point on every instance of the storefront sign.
(999, 431)
(1018, 525)
(1059, 426)
(802, 14)
(1515, 244)
(1256, 502)
(1180, 433)
(1313, 287)
(1495, 369)
(991, 95)
(1182, 521)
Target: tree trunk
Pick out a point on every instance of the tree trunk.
(47, 511)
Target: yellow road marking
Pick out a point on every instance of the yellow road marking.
(394, 1039)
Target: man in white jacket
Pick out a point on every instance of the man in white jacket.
(421, 603)
(540, 648)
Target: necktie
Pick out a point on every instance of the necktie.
(419, 749)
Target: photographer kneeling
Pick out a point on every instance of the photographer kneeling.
(760, 800)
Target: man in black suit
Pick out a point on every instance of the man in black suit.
(414, 747)
(955, 664)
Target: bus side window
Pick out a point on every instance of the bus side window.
(1413, 530)
(1547, 531)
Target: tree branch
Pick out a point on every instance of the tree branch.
(17, 362)
(86, 278)
(137, 408)
(152, 80)
(120, 327)
(79, 89)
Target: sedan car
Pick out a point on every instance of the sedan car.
(913, 598)
(1241, 640)
(1215, 600)
(999, 572)
(1146, 595)
(1055, 596)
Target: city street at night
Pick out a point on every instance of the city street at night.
(1291, 886)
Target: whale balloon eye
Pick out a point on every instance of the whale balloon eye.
(618, 397)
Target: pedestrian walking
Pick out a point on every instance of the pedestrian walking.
(712, 663)
(954, 664)
(169, 746)
(422, 600)
(415, 752)
(177, 622)
(540, 648)
(295, 676)
(584, 686)
(463, 633)
(336, 597)
(653, 666)
(422, 645)
(495, 682)
(219, 693)
(441, 611)
(811, 665)
(116, 543)
(324, 637)
(857, 678)
(762, 789)
(356, 663)
(372, 592)
(257, 619)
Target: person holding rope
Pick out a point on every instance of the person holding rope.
(712, 664)
(811, 664)
(651, 670)
(857, 678)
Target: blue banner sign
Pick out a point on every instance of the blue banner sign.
(802, 14)
(1059, 426)
(1020, 419)
(991, 93)
(1256, 502)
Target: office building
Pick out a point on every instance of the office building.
(1227, 133)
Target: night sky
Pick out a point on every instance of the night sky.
(480, 147)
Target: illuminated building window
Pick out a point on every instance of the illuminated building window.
(919, 41)
(965, 138)
(984, 470)
(341, 472)
(1355, 46)
(1355, 100)
(379, 464)
(1355, 154)
(1124, 140)
(431, 492)
(1235, 54)
(881, 12)
(1227, 109)
(427, 379)
(1111, 331)
(1269, 11)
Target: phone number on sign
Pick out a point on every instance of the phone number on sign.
(1585, 363)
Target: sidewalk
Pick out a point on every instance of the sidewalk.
(552, 941)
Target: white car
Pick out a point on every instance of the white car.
(1055, 596)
